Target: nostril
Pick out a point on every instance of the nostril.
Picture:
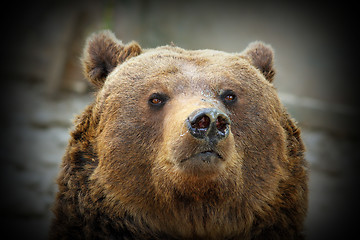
(210, 124)
(221, 124)
(202, 122)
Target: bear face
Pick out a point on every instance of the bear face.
(183, 144)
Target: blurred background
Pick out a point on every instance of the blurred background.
(43, 88)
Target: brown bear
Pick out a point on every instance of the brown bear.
(181, 144)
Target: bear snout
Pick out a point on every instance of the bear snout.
(209, 124)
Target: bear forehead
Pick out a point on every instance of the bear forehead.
(172, 59)
(175, 67)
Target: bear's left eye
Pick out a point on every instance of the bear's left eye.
(228, 97)
(158, 99)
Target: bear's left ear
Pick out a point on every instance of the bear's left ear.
(102, 53)
(261, 56)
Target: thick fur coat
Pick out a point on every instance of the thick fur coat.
(181, 144)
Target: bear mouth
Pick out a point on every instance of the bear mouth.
(205, 162)
(206, 156)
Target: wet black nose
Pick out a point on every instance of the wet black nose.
(209, 124)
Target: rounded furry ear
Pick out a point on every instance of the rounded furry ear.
(102, 53)
(261, 56)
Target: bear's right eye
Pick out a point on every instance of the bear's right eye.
(158, 99)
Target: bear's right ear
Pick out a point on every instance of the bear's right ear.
(102, 53)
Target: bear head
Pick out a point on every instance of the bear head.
(189, 142)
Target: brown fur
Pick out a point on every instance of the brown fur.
(124, 176)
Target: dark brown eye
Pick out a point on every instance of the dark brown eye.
(158, 99)
(228, 97)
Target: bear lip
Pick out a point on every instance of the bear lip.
(203, 163)
(205, 156)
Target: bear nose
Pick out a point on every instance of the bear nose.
(210, 124)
